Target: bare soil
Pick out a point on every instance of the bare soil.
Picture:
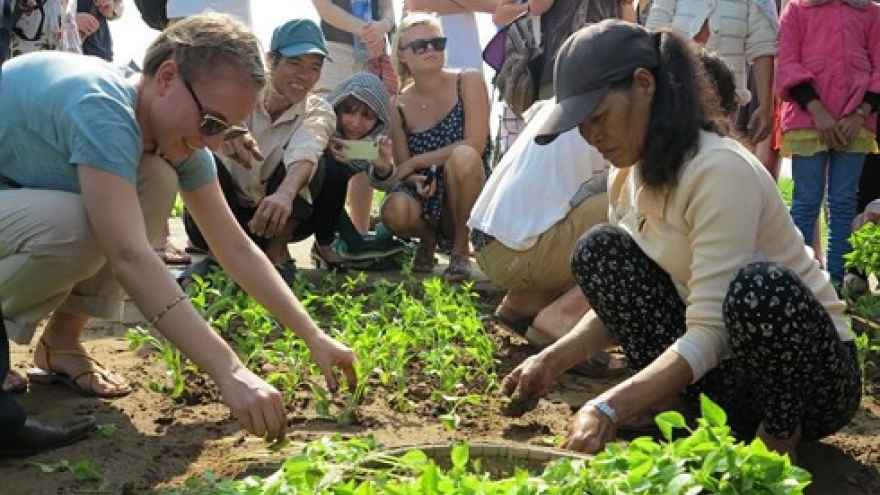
(159, 443)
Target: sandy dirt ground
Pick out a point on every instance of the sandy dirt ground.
(159, 443)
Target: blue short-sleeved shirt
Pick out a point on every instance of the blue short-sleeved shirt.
(60, 110)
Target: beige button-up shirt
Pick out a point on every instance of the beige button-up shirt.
(301, 133)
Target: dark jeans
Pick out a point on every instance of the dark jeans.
(787, 365)
(12, 416)
(308, 218)
(330, 202)
(5, 29)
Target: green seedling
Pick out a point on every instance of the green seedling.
(169, 355)
(81, 471)
(106, 429)
(410, 337)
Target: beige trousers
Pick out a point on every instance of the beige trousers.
(50, 257)
(546, 266)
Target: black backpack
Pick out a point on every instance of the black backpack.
(154, 13)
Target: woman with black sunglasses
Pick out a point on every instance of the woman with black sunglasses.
(90, 163)
(442, 119)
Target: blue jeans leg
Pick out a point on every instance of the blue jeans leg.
(808, 173)
(843, 187)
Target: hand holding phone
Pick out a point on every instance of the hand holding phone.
(431, 176)
(360, 149)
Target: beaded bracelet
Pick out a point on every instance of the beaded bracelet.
(165, 310)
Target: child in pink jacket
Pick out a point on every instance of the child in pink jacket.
(828, 81)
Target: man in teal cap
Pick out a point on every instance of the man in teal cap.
(271, 176)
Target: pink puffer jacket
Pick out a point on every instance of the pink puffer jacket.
(834, 46)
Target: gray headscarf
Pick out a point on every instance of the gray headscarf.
(369, 89)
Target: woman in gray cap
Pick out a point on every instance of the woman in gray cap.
(700, 274)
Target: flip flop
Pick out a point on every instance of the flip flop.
(459, 269)
(424, 259)
(51, 377)
(599, 366)
(503, 318)
(173, 256)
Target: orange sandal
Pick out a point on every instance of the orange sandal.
(50, 377)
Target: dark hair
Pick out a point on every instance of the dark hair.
(722, 79)
(353, 104)
(681, 107)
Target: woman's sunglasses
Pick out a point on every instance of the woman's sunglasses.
(211, 124)
(419, 47)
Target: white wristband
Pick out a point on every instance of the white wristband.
(604, 408)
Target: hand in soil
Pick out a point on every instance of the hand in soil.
(528, 382)
(256, 404)
(517, 406)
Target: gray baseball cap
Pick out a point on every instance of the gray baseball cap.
(588, 63)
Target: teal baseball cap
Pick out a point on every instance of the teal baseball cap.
(299, 37)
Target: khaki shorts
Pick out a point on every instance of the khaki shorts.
(50, 258)
(546, 266)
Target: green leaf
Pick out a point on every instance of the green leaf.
(712, 412)
(668, 420)
(85, 470)
(107, 429)
(460, 454)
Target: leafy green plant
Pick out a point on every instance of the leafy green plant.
(417, 340)
(865, 254)
(709, 461)
(177, 209)
(169, 355)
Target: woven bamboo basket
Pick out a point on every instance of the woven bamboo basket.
(497, 459)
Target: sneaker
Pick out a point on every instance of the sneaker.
(200, 268)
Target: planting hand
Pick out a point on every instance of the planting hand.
(256, 404)
(328, 354)
(871, 214)
(528, 382)
(590, 430)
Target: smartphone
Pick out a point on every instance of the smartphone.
(431, 176)
(360, 149)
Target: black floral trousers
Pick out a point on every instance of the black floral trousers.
(787, 366)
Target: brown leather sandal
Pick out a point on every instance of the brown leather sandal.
(51, 377)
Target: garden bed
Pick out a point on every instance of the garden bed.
(152, 441)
